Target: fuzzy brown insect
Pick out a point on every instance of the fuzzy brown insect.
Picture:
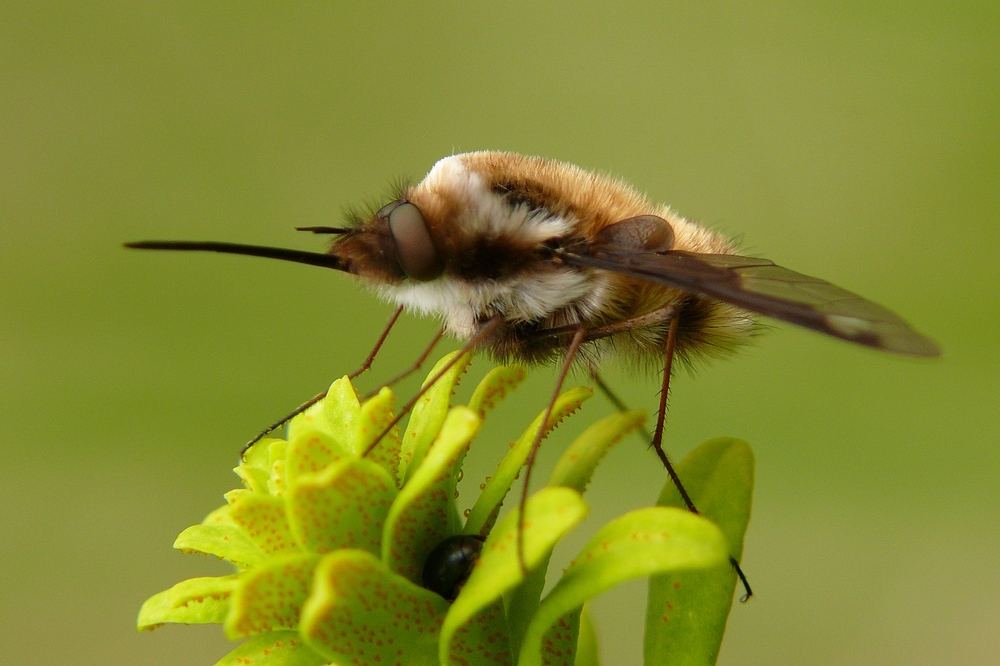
(532, 259)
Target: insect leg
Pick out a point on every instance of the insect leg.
(378, 344)
(618, 403)
(413, 368)
(312, 401)
(648, 319)
(483, 333)
(529, 463)
(657, 443)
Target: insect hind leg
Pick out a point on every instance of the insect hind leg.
(529, 464)
(656, 441)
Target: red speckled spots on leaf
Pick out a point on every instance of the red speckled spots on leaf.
(271, 596)
(495, 388)
(559, 642)
(273, 648)
(343, 507)
(361, 611)
(262, 518)
(277, 481)
(483, 639)
(418, 529)
(425, 513)
(376, 414)
(311, 452)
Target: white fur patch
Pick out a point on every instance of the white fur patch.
(535, 296)
(486, 212)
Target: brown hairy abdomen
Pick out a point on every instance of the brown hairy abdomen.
(562, 189)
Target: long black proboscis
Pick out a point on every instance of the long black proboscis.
(299, 256)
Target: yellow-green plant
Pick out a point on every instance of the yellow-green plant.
(328, 546)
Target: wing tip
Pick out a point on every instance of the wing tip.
(916, 345)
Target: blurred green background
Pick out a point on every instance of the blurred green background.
(859, 143)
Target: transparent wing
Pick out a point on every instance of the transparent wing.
(760, 286)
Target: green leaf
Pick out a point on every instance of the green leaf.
(310, 452)
(193, 601)
(574, 470)
(263, 520)
(221, 515)
(226, 542)
(487, 506)
(254, 478)
(342, 408)
(587, 652)
(231, 497)
(270, 596)
(344, 506)
(376, 415)
(256, 456)
(427, 416)
(275, 648)
(686, 611)
(719, 477)
(255, 468)
(576, 466)
(640, 543)
(483, 640)
(549, 515)
(335, 415)
(359, 612)
(276, 454)
(424, 514)
(522, 602)
(494, 387)
(314, 418)
(560, 640)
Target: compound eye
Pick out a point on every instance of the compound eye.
(418, 257)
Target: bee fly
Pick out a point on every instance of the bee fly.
(535, 260)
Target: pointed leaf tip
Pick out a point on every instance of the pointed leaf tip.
(495, 386)
(487, 506)
(577, 464)
(429, 413)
